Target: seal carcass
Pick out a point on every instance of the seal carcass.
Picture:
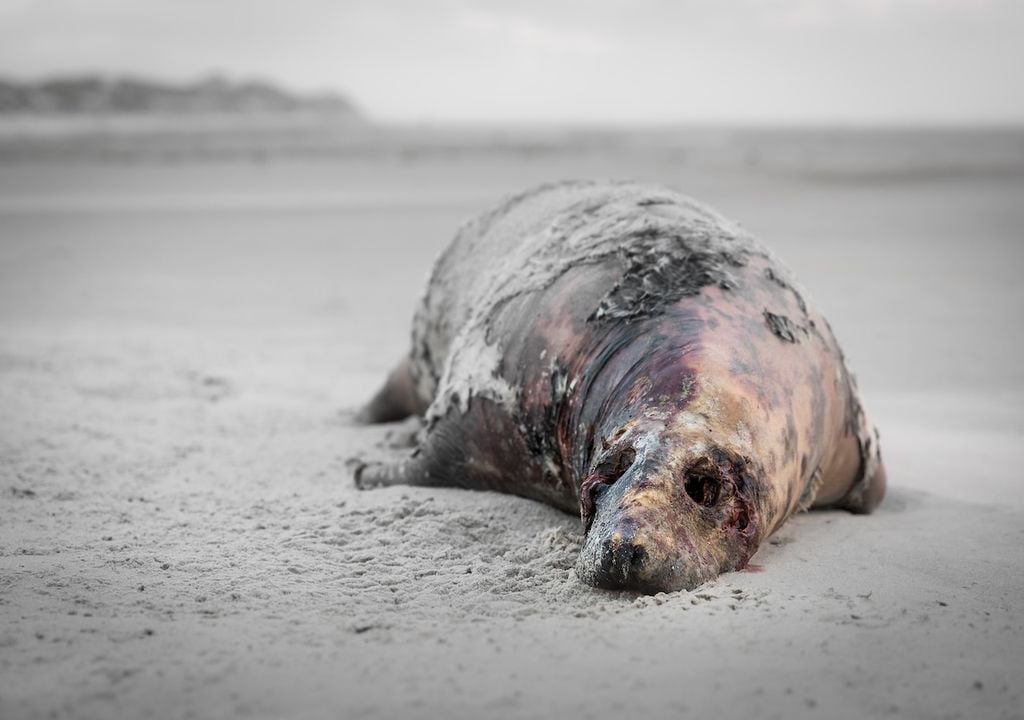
(624, 352)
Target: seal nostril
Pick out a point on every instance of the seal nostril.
(621, 563)
(703, 487)
(637, 559)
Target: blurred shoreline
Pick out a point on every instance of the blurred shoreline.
(817, 152)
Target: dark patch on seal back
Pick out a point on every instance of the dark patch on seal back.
(782, 327)
(664, 268)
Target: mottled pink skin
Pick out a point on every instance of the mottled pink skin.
(672, 386)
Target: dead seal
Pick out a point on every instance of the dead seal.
(624, 352)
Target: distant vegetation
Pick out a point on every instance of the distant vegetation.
(97, 95)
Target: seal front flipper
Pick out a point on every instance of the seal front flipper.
(407, 471)
(871, 495)
(867, 491)
(395, 401)
(855, 479)
(479, 448)
(433, 460)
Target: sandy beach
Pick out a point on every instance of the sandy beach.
(182, 344)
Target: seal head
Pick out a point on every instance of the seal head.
(670, 502)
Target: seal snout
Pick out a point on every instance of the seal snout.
(655, 528)
(622, 561)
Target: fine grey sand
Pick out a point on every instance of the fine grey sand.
(181, 346)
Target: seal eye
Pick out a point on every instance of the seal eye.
(703, 487)
(616, 466)
(604, 475)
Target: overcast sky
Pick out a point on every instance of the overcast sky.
(600, 61)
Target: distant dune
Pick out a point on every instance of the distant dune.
(99, 95)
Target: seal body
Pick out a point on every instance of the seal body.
(622, 351)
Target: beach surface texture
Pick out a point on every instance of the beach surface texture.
(181, 348)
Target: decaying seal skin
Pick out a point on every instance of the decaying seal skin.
(622, 351)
